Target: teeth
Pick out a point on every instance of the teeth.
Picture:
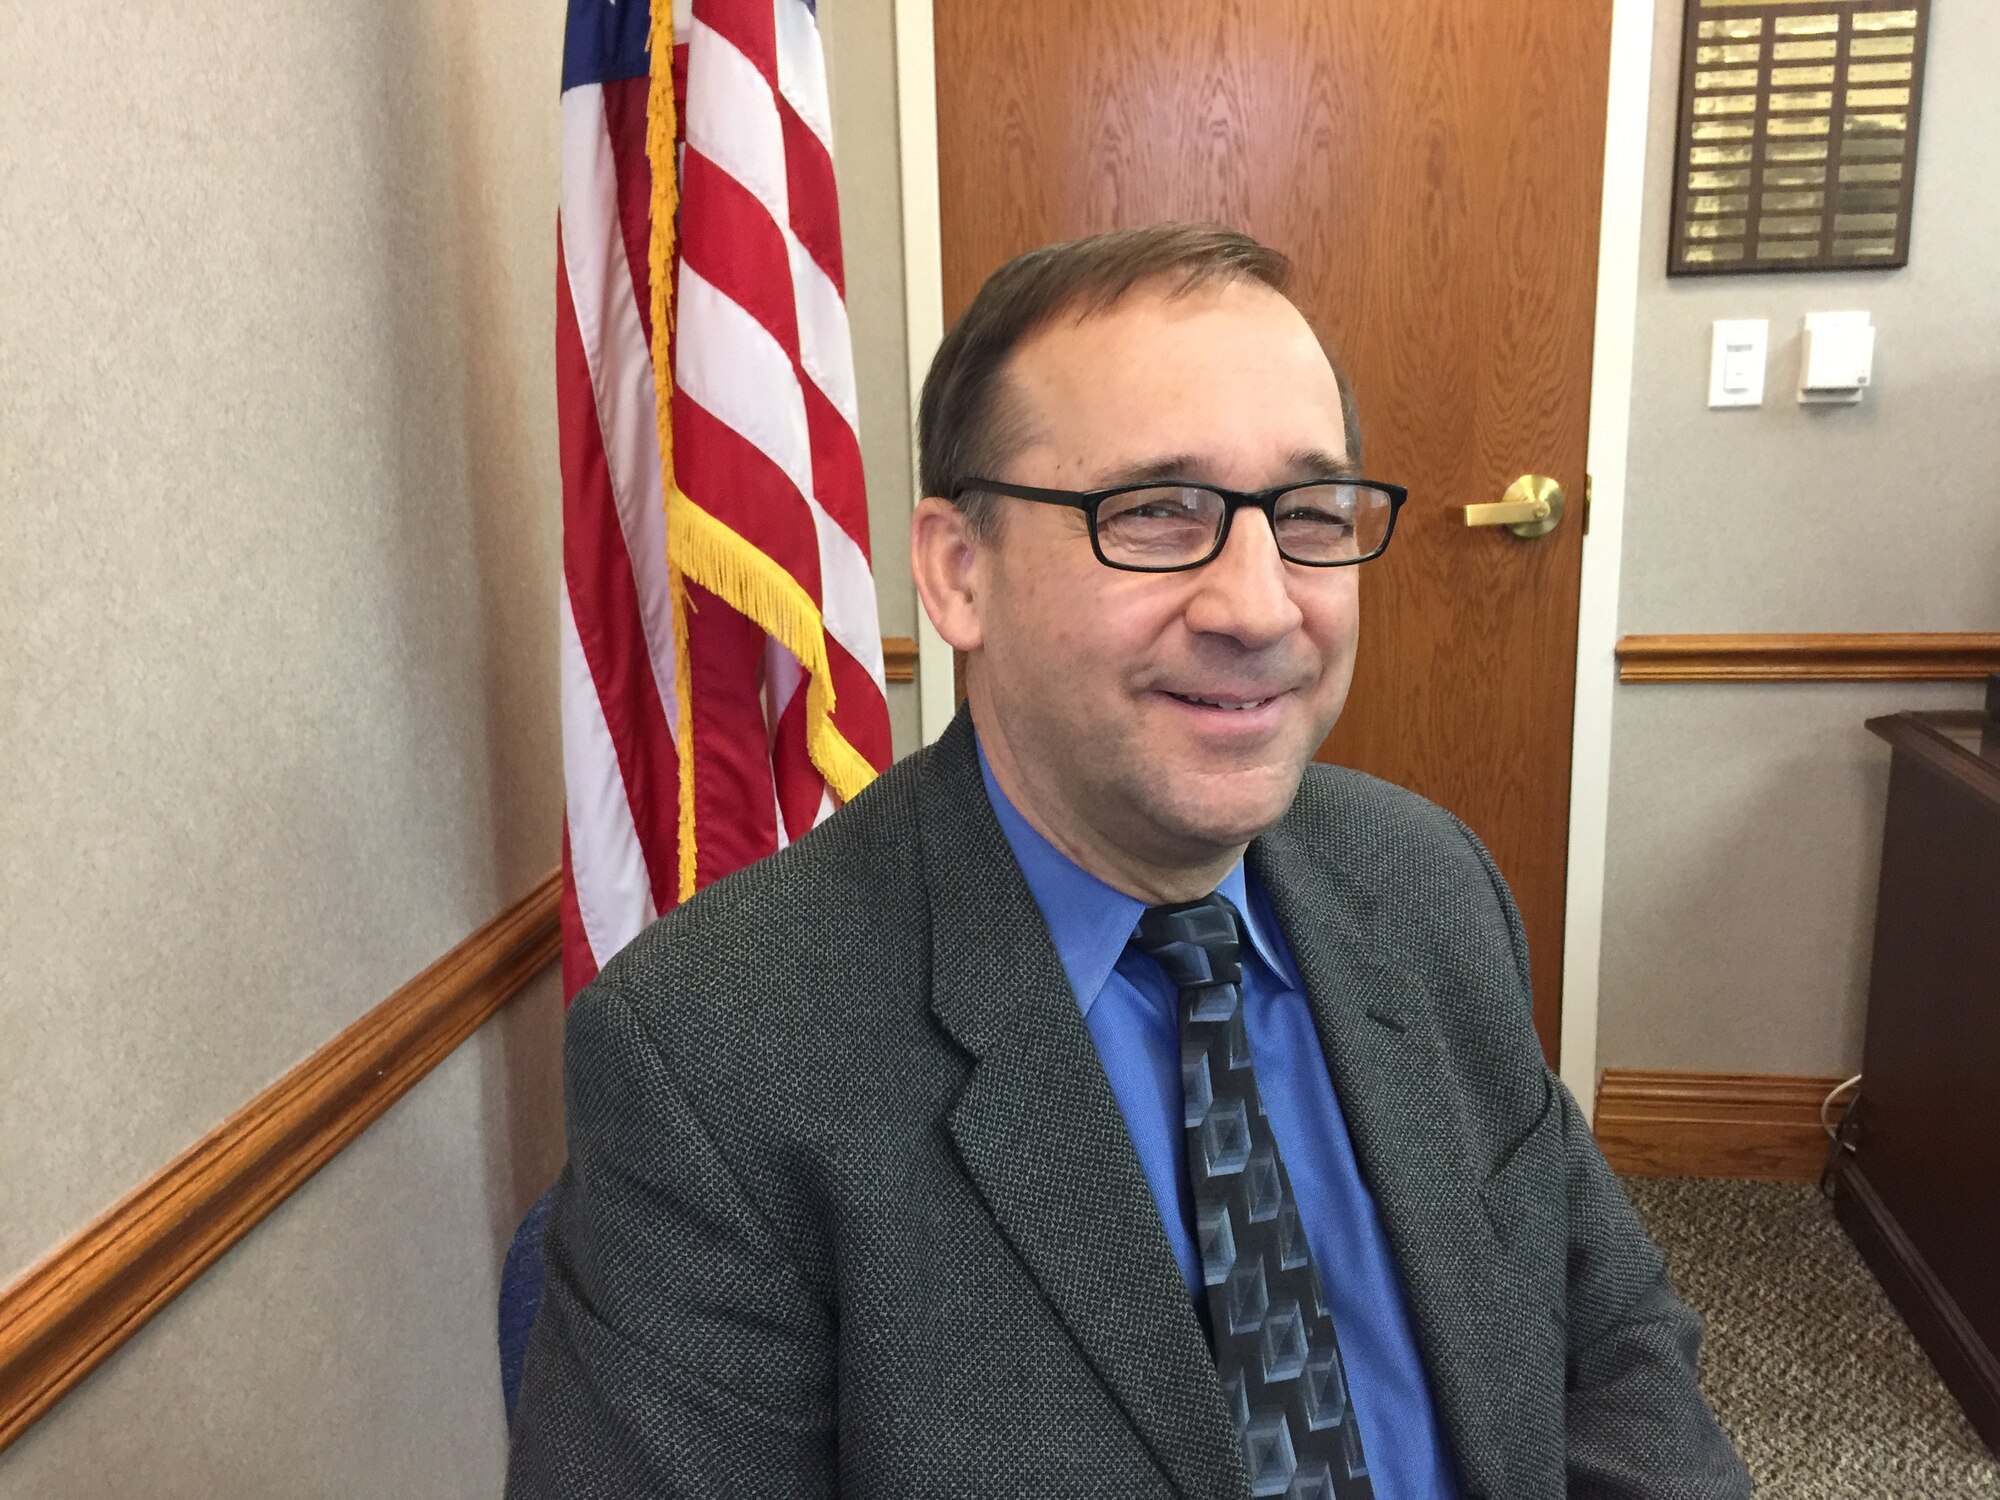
(1218, 703)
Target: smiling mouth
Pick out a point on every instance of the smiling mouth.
(1236, 705)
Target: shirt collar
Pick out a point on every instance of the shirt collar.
(1089, 921)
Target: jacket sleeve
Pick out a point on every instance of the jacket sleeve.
(678, 1351)
(1638, 1426)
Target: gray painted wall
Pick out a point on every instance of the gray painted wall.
(278, 510)
(860, 39)
(1745, 821)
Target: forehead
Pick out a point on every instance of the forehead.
(1228, 372)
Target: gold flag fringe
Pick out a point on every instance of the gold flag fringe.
(700, 546)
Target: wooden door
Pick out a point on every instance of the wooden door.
(1433, 168)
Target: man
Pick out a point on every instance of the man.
(1105, 1104)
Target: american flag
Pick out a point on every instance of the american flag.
(721, 654)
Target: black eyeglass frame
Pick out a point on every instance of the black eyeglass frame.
(1266, 501)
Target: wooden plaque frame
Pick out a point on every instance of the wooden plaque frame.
(1797, 148)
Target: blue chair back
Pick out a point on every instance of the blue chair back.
(521, 1280)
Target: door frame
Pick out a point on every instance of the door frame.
(923, 300)
(1612, 356)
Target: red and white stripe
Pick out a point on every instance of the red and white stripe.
(764, 427)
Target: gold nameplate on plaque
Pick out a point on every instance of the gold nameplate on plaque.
(1798, 135)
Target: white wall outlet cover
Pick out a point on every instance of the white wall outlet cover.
(1736, 362)
(1836, 357)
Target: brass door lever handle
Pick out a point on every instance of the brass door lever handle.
(1532, 506)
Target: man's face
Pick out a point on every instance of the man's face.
(1096, 690)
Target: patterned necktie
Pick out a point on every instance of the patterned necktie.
(1270, 1322)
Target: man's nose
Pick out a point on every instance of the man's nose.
(1245, 592)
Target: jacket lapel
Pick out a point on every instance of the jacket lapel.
(1376, 1024)
(1042, 1138)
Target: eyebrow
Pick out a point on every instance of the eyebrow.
(1306, 463)
(1317, 461)
(1178, 466)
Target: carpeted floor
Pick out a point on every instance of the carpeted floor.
(1808, 1366)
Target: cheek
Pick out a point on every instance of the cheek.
(1024, 646)
(1070, 624)
(1333, 615)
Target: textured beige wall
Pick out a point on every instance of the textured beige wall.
(278, 526)
(280, 541)
(1745, 821)
(279, 538)
(346, 1348)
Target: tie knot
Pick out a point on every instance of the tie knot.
(1197, 942)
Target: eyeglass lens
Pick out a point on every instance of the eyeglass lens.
(1170, 525)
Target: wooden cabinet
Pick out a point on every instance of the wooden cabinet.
(1920, 1195)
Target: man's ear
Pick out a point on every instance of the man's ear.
(943, 561)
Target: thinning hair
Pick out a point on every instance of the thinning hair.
(970, 421)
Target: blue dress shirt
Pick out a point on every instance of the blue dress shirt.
(1131, 1008)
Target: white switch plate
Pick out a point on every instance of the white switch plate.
(1736, 362)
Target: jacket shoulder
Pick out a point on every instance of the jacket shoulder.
(1407, 835)
(1414, 865)
(777, 946)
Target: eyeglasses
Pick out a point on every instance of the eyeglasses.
(1170, 526)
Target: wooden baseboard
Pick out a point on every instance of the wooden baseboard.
(65, 1316)
(1906, 656)
(1760, 1127)
(1969, 1369)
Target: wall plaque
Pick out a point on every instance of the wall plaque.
(1798, 135)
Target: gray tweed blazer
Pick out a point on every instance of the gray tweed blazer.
(850, 1208)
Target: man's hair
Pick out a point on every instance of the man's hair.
(969, 422)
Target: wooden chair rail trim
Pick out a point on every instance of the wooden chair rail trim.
(67, 1314)
(899, 658)
(1904, 657)
(1745, 1125)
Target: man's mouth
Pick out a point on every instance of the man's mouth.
(1238, 705)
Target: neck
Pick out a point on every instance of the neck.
(1157, 879)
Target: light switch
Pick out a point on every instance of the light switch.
(1836, 358)
(1736, 362)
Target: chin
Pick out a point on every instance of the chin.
(1241, 814)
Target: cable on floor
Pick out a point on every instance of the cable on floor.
(1838, 1136)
